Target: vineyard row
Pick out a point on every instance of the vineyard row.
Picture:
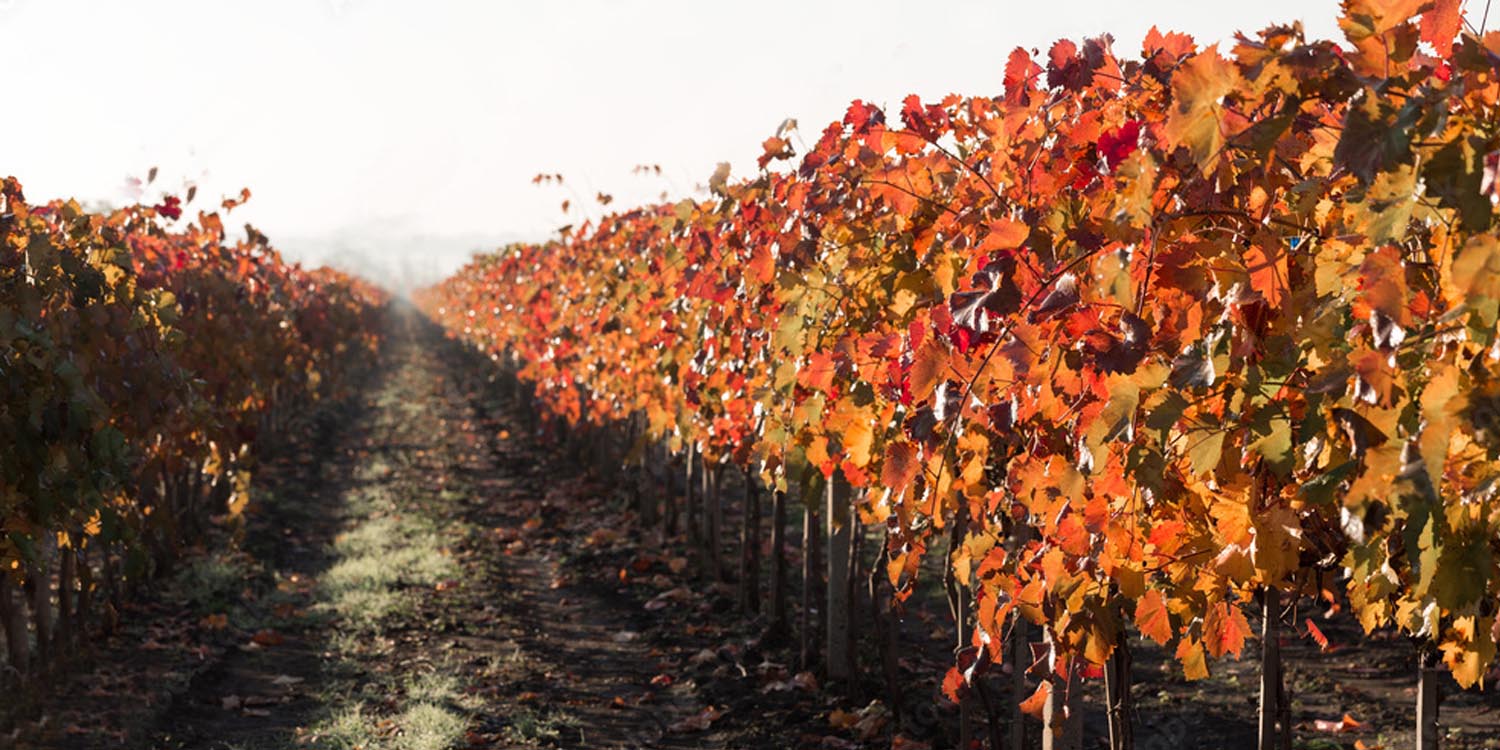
(1138, 343)
(143, 358)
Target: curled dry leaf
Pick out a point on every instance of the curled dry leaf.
(697, 722)
(267, 638)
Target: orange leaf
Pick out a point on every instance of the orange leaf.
(819, 373)
(1346, 724)
(1152, 619)
(901, 466)
(1005, 234)
(1225, 629)
(267, 638)
(1020, 76)
(1317, 635)
(953, 684)
(929, 366)
(1442, 23)
(1196, 122)
(1033, 706)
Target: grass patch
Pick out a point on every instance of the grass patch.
(212, 584)
(377, 559)
(530, 727)
(432, 715)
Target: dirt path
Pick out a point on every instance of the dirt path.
(419, 575)
(418, 616)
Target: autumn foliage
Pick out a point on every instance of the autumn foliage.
(140, 358)
(1143, 336)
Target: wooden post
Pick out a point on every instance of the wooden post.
(689, 499)
(713, 516)
(1275, 732)
(669, 510)
(886, 627)
(840, 532)
(14, 622)
(1020, 659)
(66, 623)
(41, 599)
(778, 563)
(1428, 698)
(810, 579)
(855, 571)
(958, 607)
(85, 596)
(750, 548)
(1117, 697)
(1062, 719)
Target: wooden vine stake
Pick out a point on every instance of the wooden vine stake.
(840, 536)
(810, 582)
(41, 600)
(1118, 702)
(14, 623)
(778, 563)
(1428, 675)
(713, 520)
(1275, 711)
(1062, 717)
(689, 495)
(1020, 659)
(750, 548)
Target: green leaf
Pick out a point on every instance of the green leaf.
(1385, 209)
(1165, 415)
(1462, 572)
(1275, 445)
(1375, 138)
(1205, 448)
(1455, 174)
(1320, 490)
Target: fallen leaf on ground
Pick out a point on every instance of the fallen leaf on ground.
(1346, 724)
(902, 742)
(697, 722)
(665, 598)
(841, 719)
(267, 637)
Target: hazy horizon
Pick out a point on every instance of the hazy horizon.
(395, 138)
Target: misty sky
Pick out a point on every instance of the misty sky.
(401, 135)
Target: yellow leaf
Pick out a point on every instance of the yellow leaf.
(1469, 650)
(1196, 122)
(1194, 663)
(858, 437)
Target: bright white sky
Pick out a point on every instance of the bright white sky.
(399, 136)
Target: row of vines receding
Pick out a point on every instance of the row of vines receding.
(1141, 343)
(143, 357)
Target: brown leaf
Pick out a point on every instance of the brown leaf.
(697, 722)
(267, 638)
